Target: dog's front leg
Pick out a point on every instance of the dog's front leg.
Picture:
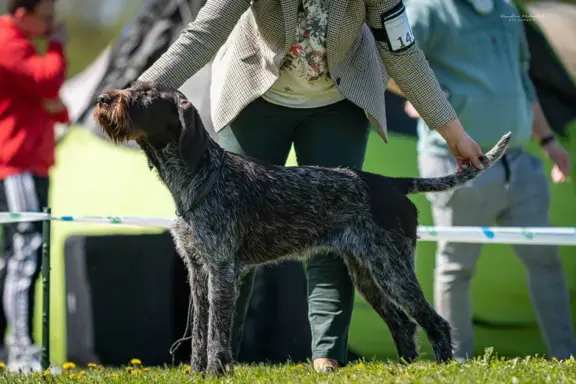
(222, 287)
(199, 291)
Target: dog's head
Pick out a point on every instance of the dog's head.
(155, 116)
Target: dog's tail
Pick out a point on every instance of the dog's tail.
(455, 180)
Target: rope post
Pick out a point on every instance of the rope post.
(45, 359)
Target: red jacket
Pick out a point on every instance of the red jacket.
(26, 79)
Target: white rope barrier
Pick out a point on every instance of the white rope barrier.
(500, 235)
(496, 235)
(15, 217)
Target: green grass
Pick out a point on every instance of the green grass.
(485, 369)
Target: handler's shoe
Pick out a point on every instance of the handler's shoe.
(325, 365)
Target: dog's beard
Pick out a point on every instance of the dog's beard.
(115, 122)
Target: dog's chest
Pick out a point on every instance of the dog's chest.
(199, 240)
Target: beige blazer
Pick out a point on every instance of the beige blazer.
(258, 35)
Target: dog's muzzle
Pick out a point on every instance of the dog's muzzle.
(111, 114)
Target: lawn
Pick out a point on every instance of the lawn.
(485, 369)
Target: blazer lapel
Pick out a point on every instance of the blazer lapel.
(336, 11)
(290, 14)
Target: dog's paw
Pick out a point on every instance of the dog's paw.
(198, 368)
(221, 364)
(408, 358)
(443, 356)
(198, 364)
(218, 369)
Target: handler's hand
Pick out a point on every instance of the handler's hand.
(561, 160)
(464, 149)
(411, 111)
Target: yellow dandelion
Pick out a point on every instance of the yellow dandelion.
(2, 366)
(92, 365)
(186, 369)
(135, 372)
(135, 362)
(81, 373)
(47, 372)
(68, 365)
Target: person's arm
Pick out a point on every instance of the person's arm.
(57, 110)
(197, 44)
(393, 87)
(40, 76)
(540, 127)
(422, 17)
(61, 117)
(542, 132)
(408, 66)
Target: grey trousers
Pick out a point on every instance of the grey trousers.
(512, 193)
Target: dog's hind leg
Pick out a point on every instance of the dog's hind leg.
(402, 328)
(392, 269)
(222, 291)
(199, 292)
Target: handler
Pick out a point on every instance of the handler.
(479, 52)
(310, 73)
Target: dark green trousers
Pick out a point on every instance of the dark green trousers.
(331, 136)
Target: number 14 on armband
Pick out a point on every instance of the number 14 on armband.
(408, 39)
(399, 34)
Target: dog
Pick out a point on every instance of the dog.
(235, 212)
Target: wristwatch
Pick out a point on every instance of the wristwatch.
(546, 140)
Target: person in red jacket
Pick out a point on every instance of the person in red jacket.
(29, 107)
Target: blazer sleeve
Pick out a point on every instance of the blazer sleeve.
(197, 44)
(411, 71)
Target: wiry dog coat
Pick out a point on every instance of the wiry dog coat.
(235, 212)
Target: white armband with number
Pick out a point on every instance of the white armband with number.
(396, 31)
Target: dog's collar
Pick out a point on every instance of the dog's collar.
(207, 187)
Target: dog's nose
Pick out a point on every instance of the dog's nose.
(104, 98)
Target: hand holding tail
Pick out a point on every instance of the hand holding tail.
(463, 175)
(462, 146)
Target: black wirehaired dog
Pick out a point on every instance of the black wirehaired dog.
(236, 212)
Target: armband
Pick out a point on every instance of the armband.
(396, 31)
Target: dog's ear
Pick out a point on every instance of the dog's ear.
(193, 137)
